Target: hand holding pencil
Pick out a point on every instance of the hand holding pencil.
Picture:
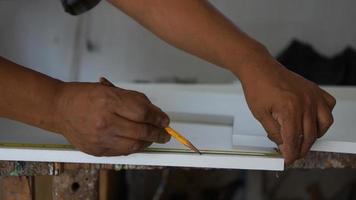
(180, 138)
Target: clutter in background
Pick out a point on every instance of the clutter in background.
(303, 59)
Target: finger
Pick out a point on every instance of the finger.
(147, 112)
(145, 146)
(290, 122)
(330, 100)
(136, 107)
(309, 130)
(139, 131)
(325, 119)
(272, 128)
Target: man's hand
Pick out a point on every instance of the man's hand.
(293, 111)
(107, 121)
(97, 118)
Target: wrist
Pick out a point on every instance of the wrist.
(256, 61)
(57, 107)
(254, 54)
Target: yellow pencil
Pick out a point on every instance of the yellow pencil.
(182, 139)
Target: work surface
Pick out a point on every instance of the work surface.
(215, 118)
(314, 160)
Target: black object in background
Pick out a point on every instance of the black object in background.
(302, 59)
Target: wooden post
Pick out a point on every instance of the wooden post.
(76, 181)
(76, 184)
(16, 188)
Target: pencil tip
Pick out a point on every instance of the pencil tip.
(192, 147)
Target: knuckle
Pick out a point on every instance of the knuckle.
(326, 122)
(329, 120)
(142, 96)
(139, 95)
(291, 102)
(259, 115)
(332, 101)
(101, 122)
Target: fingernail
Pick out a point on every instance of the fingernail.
(167, 138)
(163, 137)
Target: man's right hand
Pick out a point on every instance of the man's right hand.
(294, 111)
(107, 121)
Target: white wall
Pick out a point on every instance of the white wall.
(124, 51)
(328, 25)
(39, 34)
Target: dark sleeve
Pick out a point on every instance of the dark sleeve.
(76, 7)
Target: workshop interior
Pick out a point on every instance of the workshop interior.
(315, 39)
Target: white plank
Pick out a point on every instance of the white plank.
(153, 159)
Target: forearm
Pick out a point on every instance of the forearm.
(198, 28)
(27, 96)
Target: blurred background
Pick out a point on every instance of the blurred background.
(105, 42)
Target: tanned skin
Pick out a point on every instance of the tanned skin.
(106, 121)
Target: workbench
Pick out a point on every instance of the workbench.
(67, 177)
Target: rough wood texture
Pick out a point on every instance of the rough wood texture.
(16, 188)
(43, 187)
(324, 160)
(112, 185)
(19, 168)
(76, 184)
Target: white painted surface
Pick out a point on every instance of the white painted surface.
(39, 35)
(152, 159)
